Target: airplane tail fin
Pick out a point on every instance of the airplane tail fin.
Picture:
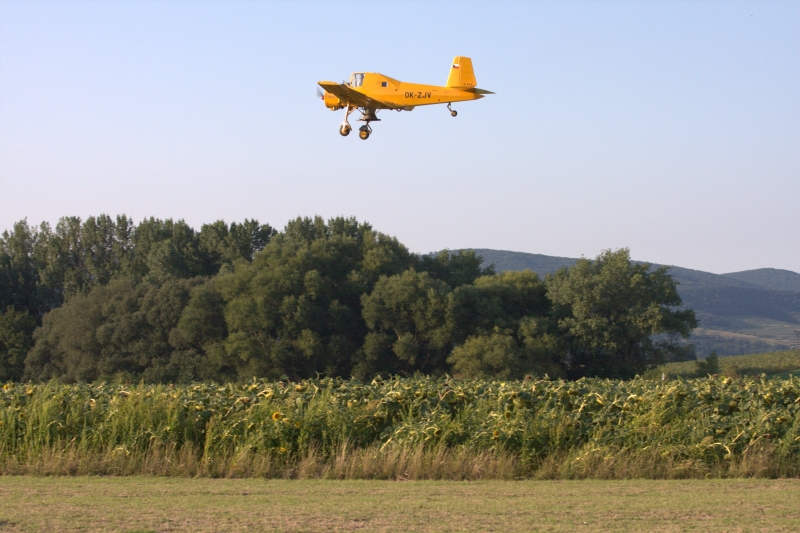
(461, 74)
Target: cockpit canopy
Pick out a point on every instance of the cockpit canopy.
(356, 79)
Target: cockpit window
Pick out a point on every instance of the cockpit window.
(357, 79)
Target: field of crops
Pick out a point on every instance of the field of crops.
(704, 421)
(770, 363)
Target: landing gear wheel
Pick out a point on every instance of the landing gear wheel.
(367, 116)
(453, 112)
(344, 130)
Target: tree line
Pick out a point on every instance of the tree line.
(105, 299)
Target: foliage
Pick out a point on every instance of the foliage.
(486, 356)
(454, 268)
(16, 328)
(162, 302)
(296, 309)
(609, 311)
(118, 331)
(705, 420)
(41, 267)
(407, 315)
(709, 365)
(496, 302)
(508, 318)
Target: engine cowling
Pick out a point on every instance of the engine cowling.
(332, 102)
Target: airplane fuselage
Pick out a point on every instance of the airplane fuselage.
(403, 94)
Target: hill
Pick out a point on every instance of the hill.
(775, 364)
(740, 313)
(769, 278)
(542, 264)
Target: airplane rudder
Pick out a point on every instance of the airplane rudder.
(461, 73)
(467, 73)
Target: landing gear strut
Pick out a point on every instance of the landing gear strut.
(344, 129)
(367, 116)
(453, 112)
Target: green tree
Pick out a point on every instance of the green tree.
(20, 266)
(502, 327)
(461, 267)
(199, 336)
(16, 329)
(495, 356)
(223, 245)
(117, 331)
(708, 366)
(609, 310)
(496, 301)
(165, 249)
(411, 310)
(77, 256)
(65, 346)
(296, 309)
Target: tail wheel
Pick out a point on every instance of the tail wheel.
(453, 112)
(363, 134)
(344, 130)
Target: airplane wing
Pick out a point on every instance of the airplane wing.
(352, 97)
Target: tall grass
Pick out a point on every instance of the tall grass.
(398, 463)
(406, 429)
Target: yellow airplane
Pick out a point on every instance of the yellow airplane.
(370, 91)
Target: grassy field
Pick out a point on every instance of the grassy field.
(149, 504)
(777, 364)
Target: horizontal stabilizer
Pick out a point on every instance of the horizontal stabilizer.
(479, 91)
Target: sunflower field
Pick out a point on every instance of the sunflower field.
(708, 420)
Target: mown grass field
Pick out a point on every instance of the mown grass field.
(776, 364)
(150, 504)
(415, 428)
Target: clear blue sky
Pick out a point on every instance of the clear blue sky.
(671, 128)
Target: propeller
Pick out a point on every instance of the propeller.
(320, 95)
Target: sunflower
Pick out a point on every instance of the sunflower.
(276, 416)
(495, 434)
(507, 414)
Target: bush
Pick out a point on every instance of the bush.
(708, 366)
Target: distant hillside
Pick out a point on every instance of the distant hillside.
(541, 264)
(774, 364)
(739, 313)
(769, 278)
